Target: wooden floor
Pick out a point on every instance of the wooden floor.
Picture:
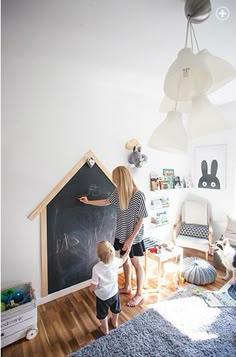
(69, 323)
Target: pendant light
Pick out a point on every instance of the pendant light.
(170, 135)
(168, 105)
(206, 118)
(188, 81)
(188, 76)
(222, 72)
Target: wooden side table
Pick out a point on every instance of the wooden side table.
(163, 257)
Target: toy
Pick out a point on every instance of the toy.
(136, 158)
(19, 296)
(7, 295)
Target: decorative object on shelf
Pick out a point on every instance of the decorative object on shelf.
(167, 181)
(156, 204)
(188, 181)
(210, 166)
(155, 181)
(160, 218)
(165, 202)
(136, 158)
(189, 80)
(177, 183)
(165, 185)
(169, 175)
(160, 203)
(159, 215)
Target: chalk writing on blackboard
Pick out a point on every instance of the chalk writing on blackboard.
(68, 242)
(92, 191)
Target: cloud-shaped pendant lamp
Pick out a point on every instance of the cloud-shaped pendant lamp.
(170, 135)
(187, 77)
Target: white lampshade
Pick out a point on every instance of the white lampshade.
(170, 135)
(187, 77)
(168, 105)
(221, 71)
(206, 118)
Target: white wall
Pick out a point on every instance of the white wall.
(80, 75)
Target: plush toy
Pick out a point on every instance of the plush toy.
(136, 157)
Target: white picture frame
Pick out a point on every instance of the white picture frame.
(210, 167)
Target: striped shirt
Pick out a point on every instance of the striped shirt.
(128, 218)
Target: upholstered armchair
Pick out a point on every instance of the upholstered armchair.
(193, 228)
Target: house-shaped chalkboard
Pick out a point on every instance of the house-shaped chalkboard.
(70, 229)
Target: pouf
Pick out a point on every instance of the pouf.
(198, 271)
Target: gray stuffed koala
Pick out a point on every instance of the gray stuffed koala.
(136, 157)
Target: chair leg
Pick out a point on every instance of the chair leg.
(206, 255)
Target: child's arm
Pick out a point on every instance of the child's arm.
(92, 287)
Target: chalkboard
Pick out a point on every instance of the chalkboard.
(74, 228)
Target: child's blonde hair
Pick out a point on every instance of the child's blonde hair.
(105, 251)
(123, 180)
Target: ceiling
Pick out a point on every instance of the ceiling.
(131, 39)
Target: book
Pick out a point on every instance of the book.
(216, 298)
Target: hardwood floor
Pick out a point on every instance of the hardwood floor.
(69, 323)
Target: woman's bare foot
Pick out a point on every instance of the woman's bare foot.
(135, 301)
(125, 291)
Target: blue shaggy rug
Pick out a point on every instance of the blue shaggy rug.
(183, 325)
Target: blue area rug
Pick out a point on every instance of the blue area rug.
(181, 326)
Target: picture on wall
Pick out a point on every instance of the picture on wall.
(210, 167)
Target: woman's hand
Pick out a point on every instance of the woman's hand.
(127, 245)
(83, 199)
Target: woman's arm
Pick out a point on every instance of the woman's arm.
(104, 202)
(129, 241)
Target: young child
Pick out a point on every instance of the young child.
(105, 284)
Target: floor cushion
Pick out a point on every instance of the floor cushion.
(198, 271)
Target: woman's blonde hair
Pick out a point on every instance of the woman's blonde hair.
(105, 251)
(123, 180)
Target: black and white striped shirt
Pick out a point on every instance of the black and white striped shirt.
(128, 218)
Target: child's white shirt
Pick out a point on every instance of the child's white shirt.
(105, 276)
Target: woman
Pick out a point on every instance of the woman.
(131, 210)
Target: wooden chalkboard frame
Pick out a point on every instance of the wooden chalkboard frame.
(42, 210)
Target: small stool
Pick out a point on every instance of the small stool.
(198, 271)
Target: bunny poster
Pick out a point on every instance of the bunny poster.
(210, 167)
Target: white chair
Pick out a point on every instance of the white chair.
(193, 228)
(230, 232)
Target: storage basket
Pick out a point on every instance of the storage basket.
(20, 321)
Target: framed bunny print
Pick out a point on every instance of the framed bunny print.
(210, 167)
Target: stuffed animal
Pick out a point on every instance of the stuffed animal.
(136, 157)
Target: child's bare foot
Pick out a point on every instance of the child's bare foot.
(135, 301)
(112, 324)
(103, 332)
(125, 291)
